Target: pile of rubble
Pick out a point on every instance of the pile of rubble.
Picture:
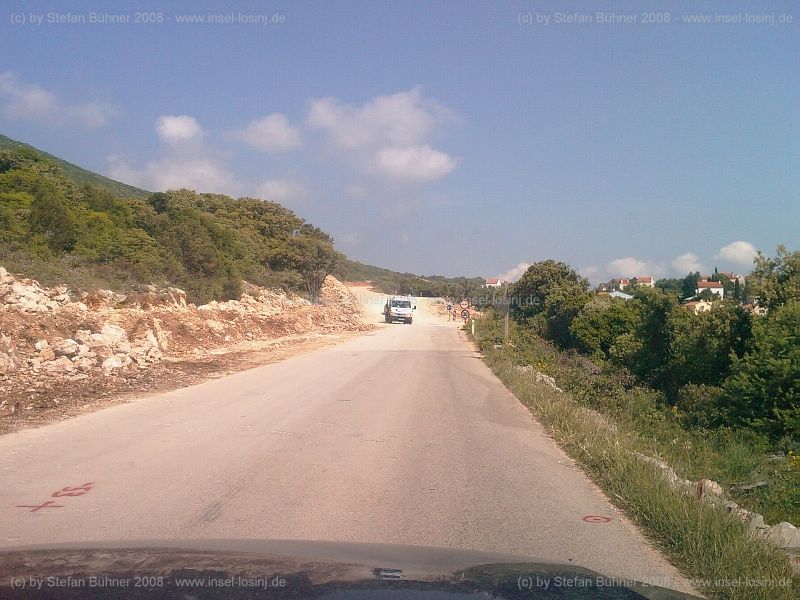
(53, 336)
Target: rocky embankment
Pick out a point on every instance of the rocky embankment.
(63, 348)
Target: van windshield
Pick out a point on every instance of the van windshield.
(401, 304)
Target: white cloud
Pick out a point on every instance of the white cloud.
(355, 190)
(630, 266)
(740, 253)
(387, 136)
(180, 128)
(282, 190)
(400, 206)
(349, 239)
(273, 133)
(626, 267)
(687, 263)
(399, 119)
(591, 272)
(514, 273)
(186, 162)
(414, 163)
(26, 101)
(200, 173)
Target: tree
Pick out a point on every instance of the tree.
(764, 389)
(318, 260)
(542, 281)
(703, 346)
(646, 350)
(673, 286)
(689, 285)
(50, 217)
(552, 293)
(311, 254)
(707, 295)
(776, 281)
(600, 323)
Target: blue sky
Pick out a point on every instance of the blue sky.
(439, 137)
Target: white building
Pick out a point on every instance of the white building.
(715, 286)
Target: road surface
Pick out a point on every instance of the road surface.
(401, 435)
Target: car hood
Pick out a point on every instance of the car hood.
(295, 569)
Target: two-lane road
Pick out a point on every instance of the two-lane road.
(398, 436)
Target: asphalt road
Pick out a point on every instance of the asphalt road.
(398, 436)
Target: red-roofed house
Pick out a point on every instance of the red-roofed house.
(714, 286)
(617, 284)
(646, 280)
(493, 282)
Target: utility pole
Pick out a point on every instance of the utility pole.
(505, 325)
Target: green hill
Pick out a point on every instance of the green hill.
(394, 282)
(76, 173)
(60, 223)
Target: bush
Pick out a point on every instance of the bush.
(699, 406)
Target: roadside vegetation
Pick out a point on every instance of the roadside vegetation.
(714, 395)
(63, 232)
(62, 224)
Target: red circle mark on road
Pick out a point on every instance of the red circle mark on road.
(596, 519)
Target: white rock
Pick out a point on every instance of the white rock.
(61, 364)
(6, 345)
(7, 364)
(115, 333)
(83, 363)
(111, 363)
(784, 535)
(66, 347)
(709, 487)
(41, 345)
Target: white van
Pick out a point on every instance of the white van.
(399, 308)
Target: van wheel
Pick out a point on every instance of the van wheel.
(408, 321)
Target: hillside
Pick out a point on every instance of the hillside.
(61, 231)
(390, 282)
(76, 173)
(60, 223)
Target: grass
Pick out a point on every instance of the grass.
(708, 545)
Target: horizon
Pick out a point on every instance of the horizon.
(463, 143)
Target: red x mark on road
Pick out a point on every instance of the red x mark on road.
(48, 504)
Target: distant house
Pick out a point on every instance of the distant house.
(647, 280)
(493, 282)
(734, 276)
(753, 307)
(617, 284)
(618, 294)
(715, 287)
(697, 306)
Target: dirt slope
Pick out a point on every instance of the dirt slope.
(62, 350)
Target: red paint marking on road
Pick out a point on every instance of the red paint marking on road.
(48, 504)
(596, 519)
(78, 490)
(73, 491)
